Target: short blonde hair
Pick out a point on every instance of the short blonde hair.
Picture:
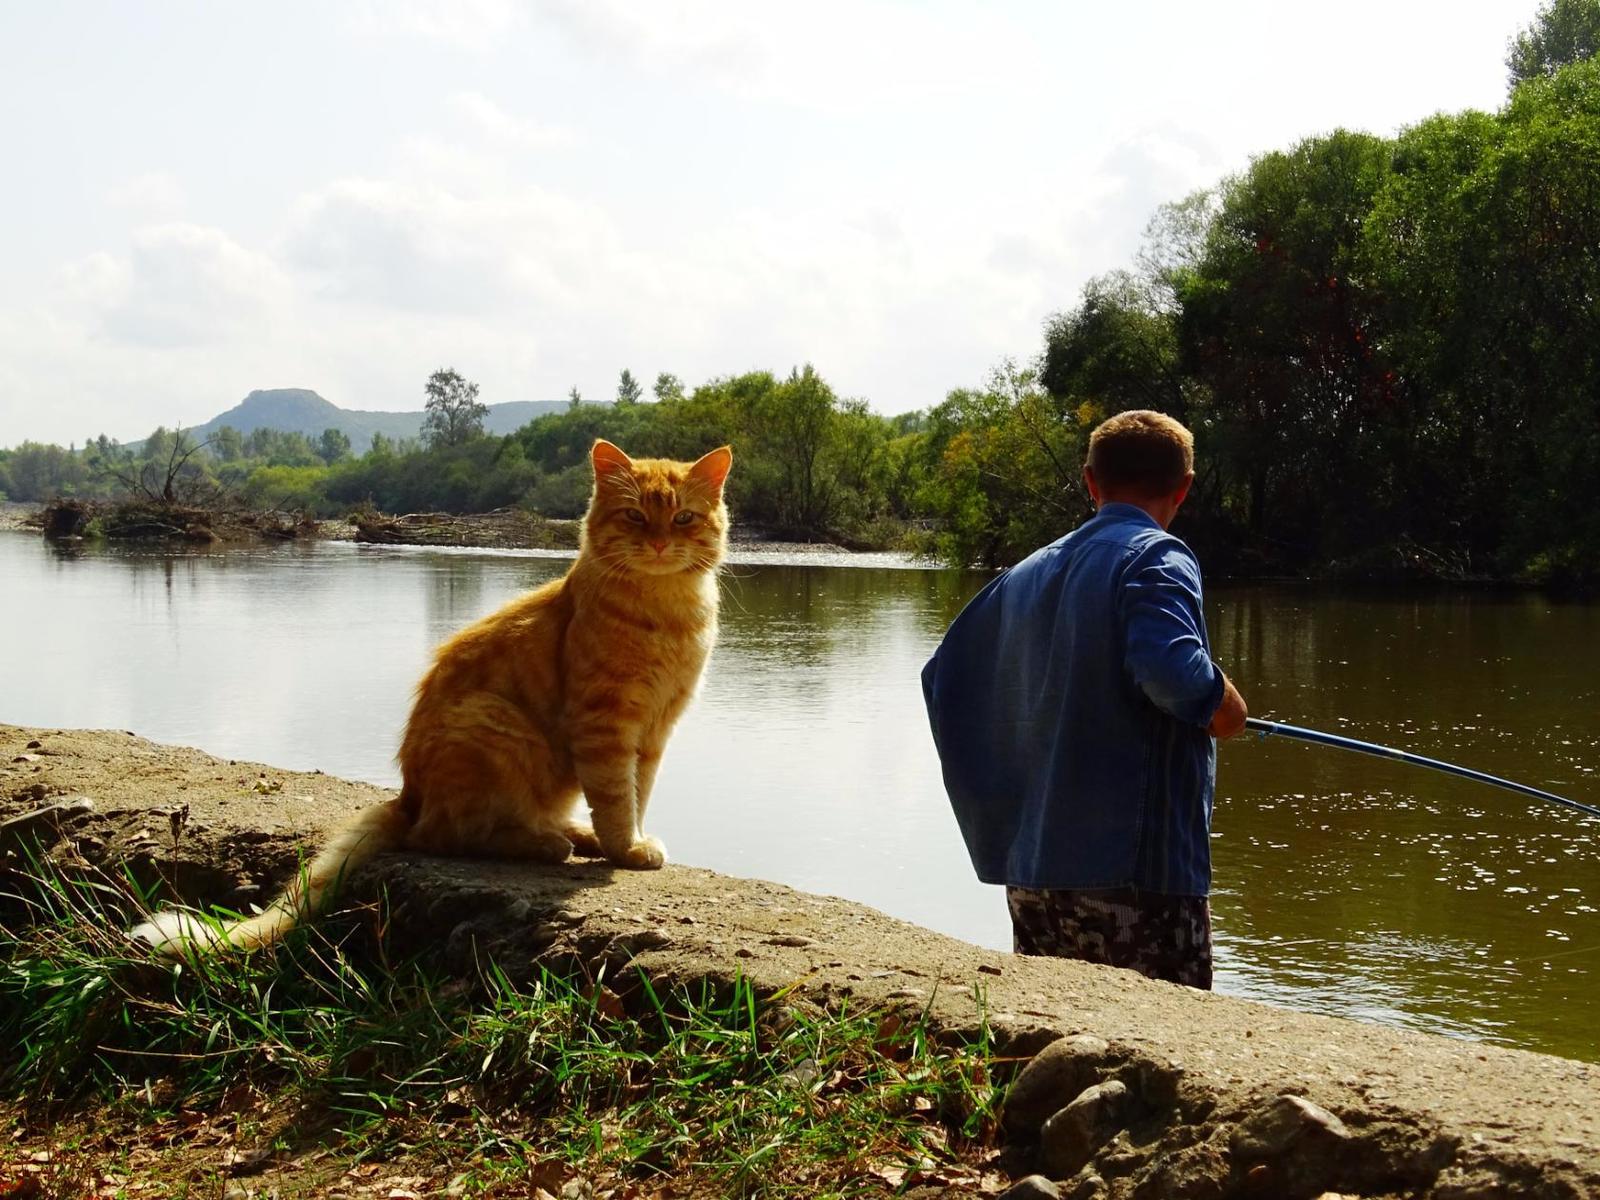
(1141, 453)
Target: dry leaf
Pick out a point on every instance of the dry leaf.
(607, 1003)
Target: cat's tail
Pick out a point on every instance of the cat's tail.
(371, 832)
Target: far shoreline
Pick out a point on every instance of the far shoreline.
(502, 531)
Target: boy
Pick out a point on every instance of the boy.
(1074, 703)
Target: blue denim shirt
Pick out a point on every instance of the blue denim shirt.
(1069, 702)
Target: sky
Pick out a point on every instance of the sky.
(204, 199)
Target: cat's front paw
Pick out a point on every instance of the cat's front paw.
(647, 854)
(583, 839)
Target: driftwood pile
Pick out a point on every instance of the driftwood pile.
(503, 528)
(155, 520)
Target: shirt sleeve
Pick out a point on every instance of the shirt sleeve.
(1166, 651)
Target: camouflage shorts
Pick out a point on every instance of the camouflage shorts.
(1163, 937)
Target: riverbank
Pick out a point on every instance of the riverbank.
(502, 529)
(1200, 1112)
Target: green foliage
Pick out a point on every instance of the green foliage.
(453, 416)
(1484, 245)
(805, 461)
(1276, 328)
(333, 445)
(1001, 466)
(35, 471)
(1118, 350)
(628, 389)
(668, 387)
(1563, 32)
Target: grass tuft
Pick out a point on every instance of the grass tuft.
(492, 1078)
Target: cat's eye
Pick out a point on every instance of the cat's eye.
(684, 518)
(634, 515)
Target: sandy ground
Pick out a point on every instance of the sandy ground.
(1421, 1115)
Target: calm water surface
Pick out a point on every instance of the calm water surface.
(1344, 884)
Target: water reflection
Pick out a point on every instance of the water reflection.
(1345, 883)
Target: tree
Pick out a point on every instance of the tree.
(668, 387)
(333, 445)
(454, 416)
(1279, 324)
(170, 472)
(1563, 32)
(1001, 468)
(1483, 241)
(229, 445)
(574, 399)
(628, 389)
(39, 472)
(382, 446)
(1115, 351)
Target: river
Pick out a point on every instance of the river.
(1344, 884)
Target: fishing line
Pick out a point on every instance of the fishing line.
(1317, 737)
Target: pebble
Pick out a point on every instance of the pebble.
(1051, 1079)
(1277, 1125)
(802, 1075)
(796, 940)
(1070, 1138)
(1031, 1187)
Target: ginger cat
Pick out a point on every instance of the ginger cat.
(572, 687)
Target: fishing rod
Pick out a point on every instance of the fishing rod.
(1267, 728)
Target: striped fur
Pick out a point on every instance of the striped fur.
(571, 689)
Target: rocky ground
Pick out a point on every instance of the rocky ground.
(1142, 1090)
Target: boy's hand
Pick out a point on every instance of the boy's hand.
(1230, 715)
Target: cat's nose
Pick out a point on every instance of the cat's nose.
(661, 547)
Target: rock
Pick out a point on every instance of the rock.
(1070, 1138)
(1156, 1081)
(797, 940)
(802, 1075)
(1051, 1080)
(1031, 1187)
(29, 825)
(1280, 1123)
(1085, 1185)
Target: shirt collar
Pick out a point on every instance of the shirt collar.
(1118, 511)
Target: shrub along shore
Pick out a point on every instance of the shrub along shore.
(496, 1028)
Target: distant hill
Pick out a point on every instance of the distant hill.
(297, 410)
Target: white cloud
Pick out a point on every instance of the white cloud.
(151, 194)
(502, 130)
(180, 285)
(476, 25)
(835, 56)
(431, 249)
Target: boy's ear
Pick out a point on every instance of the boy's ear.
(711, 469)
(608, 458)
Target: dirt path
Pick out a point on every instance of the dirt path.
(1390, 1112)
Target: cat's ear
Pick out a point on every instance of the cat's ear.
(608, 458)
(711, 469)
